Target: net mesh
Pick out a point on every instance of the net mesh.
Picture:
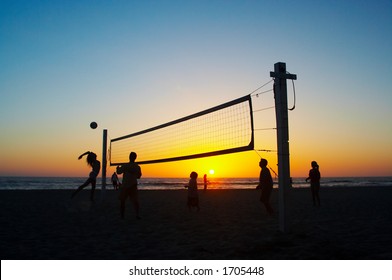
(227, 128)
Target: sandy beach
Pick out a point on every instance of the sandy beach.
(352, 223)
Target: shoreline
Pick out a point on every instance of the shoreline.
(352, 223)
(109, 188)
(61, 183)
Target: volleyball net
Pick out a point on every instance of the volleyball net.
(224, 129)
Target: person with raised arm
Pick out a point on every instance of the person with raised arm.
(92, 178)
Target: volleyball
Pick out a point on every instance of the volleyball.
(93, 125)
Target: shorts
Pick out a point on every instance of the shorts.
(130, 192)
(265, 194)
(315, 187)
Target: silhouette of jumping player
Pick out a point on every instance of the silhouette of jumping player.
(92, 179)
(314, 176)
(193, 196)
(265, 184)
(131, 172)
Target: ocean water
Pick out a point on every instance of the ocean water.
(71, 183)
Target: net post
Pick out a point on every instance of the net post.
(280, 92)
(104, 160)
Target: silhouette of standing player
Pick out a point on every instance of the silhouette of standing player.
(193, 197)
(314, 176)
(265, 184)
(131, 172)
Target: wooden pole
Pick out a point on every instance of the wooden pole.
(280, 90)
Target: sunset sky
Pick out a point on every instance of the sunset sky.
(132, 65)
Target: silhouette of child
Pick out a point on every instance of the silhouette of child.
(92, 179)
(193, 196)
(115, 181)
(314, 176)
(265, 184)
(205, 181)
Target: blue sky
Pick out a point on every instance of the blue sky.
(130, 65)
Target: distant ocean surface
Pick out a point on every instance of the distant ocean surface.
(71, 183)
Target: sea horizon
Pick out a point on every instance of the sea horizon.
(172, 183)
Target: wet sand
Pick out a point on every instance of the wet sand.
(352, 223)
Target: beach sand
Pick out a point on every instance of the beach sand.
(352, 223)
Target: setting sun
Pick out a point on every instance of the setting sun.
(212, 171)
